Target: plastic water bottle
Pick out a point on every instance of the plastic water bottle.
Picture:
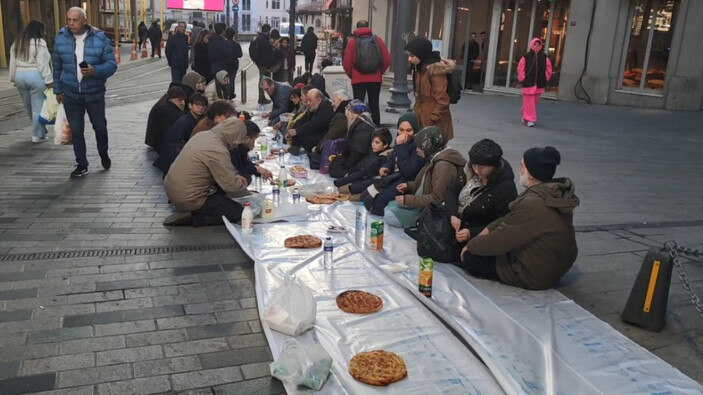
(328, 247)
(282, 177)
(259, 183)
(264, 147)
(276, 195)
(247, 219)
(361, 218)
(296, 195)
(281, 156)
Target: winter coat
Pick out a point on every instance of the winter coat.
(535, 242)
(311, 132)
(350, 59)
(435, 177)
(161, 117)
(177, 51)
(242, 163)
(173, 141)
(155, 34)
(337, 128)
(97, 52)
(204, 163)
(204, 124)
(143, 31)
(281, 101)
(261, 51)
(488, 205)
(534, 70)
(405, 160)
(363, 176)
(309, 44)
(356, 147)
(431, 97)
(224, 54)
(201, 61)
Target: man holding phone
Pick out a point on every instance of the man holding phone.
(83, 60)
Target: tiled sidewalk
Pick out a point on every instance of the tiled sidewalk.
(145, 315)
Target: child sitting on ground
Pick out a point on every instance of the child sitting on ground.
(356, 182)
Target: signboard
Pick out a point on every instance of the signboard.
(204, 5)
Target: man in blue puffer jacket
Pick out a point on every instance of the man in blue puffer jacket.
(83, 61)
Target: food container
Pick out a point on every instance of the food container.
(376, 241)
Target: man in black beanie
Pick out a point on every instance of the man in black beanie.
(534, 245)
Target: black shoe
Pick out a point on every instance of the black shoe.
(264, 101)
(106, 162)
(79, 172)
(179, 219)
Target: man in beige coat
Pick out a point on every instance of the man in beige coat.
(202, 179)
(533, 245)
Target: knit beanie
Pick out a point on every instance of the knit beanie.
(485, 153)
(419, 47)
(542, 162)
(175, 93)
(410, 118)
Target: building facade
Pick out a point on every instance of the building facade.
(626, 52)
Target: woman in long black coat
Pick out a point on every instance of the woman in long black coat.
(201, 59)
(155, 35)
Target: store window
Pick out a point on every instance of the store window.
(651, 26)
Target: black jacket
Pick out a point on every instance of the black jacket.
(201, 61)
(261, 51)
(488, 205)
(357, 146)
(241, 161)
(155, 33)
(224, 54)
(309, 43)
(161, 117)
(407, 160)
(312, 131)
(177, 51)
(143, 31)
(173, 141)
(362, 177)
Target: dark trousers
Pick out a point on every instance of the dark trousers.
(230, 88)
(177, 74)
(373, 91)
(75, 113)
(480, 266)
(309, 61)
(263, 71)
(214, 208)
(386, 195)
(155, 48)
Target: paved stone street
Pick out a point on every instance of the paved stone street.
(98, 297)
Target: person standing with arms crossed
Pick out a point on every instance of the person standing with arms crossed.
(83, 60)
(177, 53)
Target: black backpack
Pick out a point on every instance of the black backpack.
(435, 235)
(368, 55)
(454, 86)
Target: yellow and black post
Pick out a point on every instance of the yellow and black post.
(646, 306)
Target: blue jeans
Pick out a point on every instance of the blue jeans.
(75, 113)
(31, 86)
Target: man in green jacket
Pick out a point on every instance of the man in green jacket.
(533, 245)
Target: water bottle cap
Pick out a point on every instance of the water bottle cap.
(329, 238)
(283, 167)
(247, 205)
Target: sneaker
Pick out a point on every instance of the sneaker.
(106, 162)
(530, 124)
(37, 140)
(264, 101)
(79, 172)
(179, 219)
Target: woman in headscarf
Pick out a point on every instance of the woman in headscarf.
(430, 85)
(201, 58)
(30, 71)
(443, 167)
(357, 143)
(534, 72)
(217, 88)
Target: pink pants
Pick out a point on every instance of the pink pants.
(529, 106)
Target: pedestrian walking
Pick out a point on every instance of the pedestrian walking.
(430, 85)
(201, 57)
(309, 46)
(366, 58)
(177, 52)
(30, 71)
(155, 35)
(83, 60)
(261, 52)
(143, 31)
(534, 72)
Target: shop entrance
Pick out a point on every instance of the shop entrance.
(469, 47)
(514, 25)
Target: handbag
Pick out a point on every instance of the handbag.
(435, 235)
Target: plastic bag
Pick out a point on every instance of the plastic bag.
(62, 131)
(292, 309)
(255, 200)
(302, 364)
(47, 114)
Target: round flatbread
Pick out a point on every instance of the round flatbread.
(302, 241)
(327, 198)
(378, 367)
(359, 302)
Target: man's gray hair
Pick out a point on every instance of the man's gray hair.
(318, 93)
(362, 23)
(342, 95)
(79, 10)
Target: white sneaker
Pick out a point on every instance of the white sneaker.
(37, 140)
(530, 124)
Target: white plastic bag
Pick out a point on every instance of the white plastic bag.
(302, 364)
(255, 200)
(292, 309)
(47, 114)
(62, 131)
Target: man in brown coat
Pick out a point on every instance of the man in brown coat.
(202, 178)
(534, 245)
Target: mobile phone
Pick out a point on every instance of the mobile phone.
(83, 65)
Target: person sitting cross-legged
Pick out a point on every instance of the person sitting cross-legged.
(357, 181)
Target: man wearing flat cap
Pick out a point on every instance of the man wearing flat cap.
(533, 245)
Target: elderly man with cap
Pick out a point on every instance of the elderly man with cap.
(163, 116)
(202, 179)
(534, 245)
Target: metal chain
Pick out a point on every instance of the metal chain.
(674, 250)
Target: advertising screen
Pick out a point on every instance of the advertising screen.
(205, 5)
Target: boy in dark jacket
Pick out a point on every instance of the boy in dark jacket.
(356, 182)
(240, 155)
(177, 134)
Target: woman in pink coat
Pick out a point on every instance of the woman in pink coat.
(534, 71)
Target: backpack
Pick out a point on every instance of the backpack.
(435, 235)
(368, 55)
(331, 148)
(454, 86)
(254, 51)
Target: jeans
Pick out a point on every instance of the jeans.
(177, 74)
(75, 113)
(31, 86)
(373, 91)
(214, 208)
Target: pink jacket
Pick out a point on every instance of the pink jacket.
(532, 90)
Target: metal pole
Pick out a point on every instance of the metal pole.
(57, 18)
(227, 10)
(135, 23)
(291, 26)
(117, 23)
(399, 91)
(244, 87)
(3, 60)
(161, 15)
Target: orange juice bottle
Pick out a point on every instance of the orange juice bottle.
(425, 276)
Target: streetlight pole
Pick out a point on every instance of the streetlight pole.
(291, 26)
(399, 91)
